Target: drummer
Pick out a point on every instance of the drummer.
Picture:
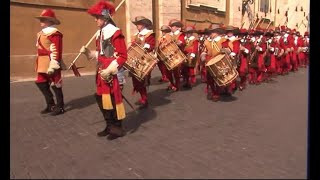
(146, 39)
(233, 44)
(178, 38)
(163, 39)
(191, 51)
(213, 46)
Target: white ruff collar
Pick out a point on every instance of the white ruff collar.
(216, 39)
(232, 38)
(176, 32)
(191, 38)
(108, 31)
(144, 32)
(49, 30)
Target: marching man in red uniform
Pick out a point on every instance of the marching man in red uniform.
(233, 44)
(270, 57)
(286, 44)
(213, 46)
(306, 48)
(48, 64)
(278, 50)
(191, 51)
(146, 39)
(244, 55)
(111, 54)
(178, 38)
(165, 38)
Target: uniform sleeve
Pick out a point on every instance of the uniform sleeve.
(236, 47)
(56, 46)
(120, 48)
(151, 40)
(225, 44)
(182, 40)
(263, 46)
(195, 47)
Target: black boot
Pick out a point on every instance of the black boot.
(59, 109)
(116, 130)
(44, 87)
(106, 131)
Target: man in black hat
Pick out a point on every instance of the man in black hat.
(233, 44)
(213, 46)
(191, 51)
(163, 39)
(145, 38)
(178, 38)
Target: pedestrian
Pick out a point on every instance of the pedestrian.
(111, 54)
(48, 63)
(145, 37)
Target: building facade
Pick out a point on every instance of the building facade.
(78, 26)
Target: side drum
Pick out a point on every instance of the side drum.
(140, 63)
(222, 70)
(171, 55)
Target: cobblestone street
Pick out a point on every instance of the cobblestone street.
(260, 132)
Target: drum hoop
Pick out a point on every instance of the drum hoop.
(150, 65)
(215, 59)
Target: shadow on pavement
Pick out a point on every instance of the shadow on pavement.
(80, 103)
(158, 98)
(136, 118)
(154, 80)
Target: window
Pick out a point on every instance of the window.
(264, 5)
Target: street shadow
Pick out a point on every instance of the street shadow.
(136, 118)
(80, 103)
(223, 97)
(226, 98)
(154, 80)
(197, 83)
(158, 98)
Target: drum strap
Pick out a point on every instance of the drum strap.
(215, 46)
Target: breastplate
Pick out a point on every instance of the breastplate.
(107, 48)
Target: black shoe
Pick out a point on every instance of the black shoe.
(116, 131)
(143, 105)
(57, 111)
(47, 110)
(187, 86)
(103, 133)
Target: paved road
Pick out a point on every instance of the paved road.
(260, 133)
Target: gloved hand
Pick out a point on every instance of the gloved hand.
(104, 73)
(259, 48)
(245, 50)
(192, 55)
(203, 57)
(84, 50)
(146, 46)
(232, 55)
(54, 65)
(90, 55)
(112, 69)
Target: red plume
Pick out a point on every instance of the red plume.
(100, 6)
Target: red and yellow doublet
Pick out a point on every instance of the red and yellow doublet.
(49, 44)
(104, 88)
